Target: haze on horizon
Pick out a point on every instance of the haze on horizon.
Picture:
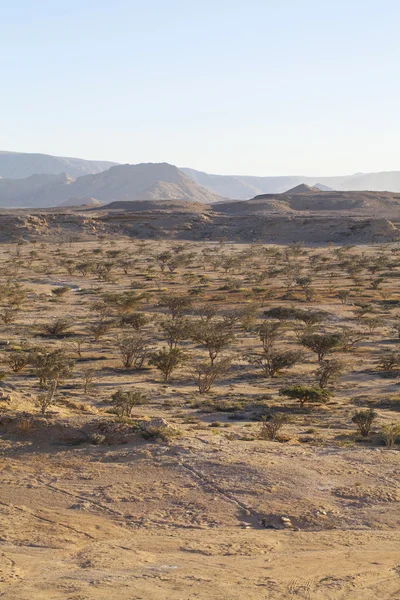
(256, 88)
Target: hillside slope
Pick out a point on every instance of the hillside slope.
(150, 181)
(314, 201)
(146, 181)
(169, 219)
(33, 192)
(19, 165)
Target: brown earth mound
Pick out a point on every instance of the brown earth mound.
(323, 217)
(366, 203)
(150, 205)
(303, 189)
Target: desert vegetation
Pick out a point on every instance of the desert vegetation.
(249, 330)
(246, 368)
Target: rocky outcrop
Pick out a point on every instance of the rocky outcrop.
(171, 220)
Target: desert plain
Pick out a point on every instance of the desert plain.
(184, 419)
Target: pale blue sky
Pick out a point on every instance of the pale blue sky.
(263, 87)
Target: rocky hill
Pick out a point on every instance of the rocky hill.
(312, 200)
(317, 218)
(149, 181)
(146, 181)
(303, 189)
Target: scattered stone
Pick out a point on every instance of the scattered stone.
(155, 423)
(97, 438)
(80, 506)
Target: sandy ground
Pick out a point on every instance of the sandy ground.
(183, 521)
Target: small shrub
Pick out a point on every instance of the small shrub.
(50, 366)
(206, 375)
(174, 331)
(213, 336)
(135, 320)
(99, 329)
(124, 402)
(389, 361)
(390, 433)
(163, 433)
(321, 343)
(304, 394)
(177, 305)
(60, 292)
(44, 401)
(282, 313)
(88, 376)
(329, 372)
(364, 420)
(9, 315)
(272, 362)
(17, 360)
(57, 328)
(167, 361)
(133, 350)
(270, 428)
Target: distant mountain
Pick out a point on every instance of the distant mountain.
(19, 165)
(148, 181)
(245, 187)
(323, 188)
(34, 191)
(242, 188)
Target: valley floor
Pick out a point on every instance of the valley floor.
(182, 521)
(208, 508)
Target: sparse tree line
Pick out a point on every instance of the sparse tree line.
(150, 327)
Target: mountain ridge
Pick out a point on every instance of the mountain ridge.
(247, 186)
(146, 181)
(20, 165)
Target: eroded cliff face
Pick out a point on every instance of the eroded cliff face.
(207, 225)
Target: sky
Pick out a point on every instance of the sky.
(262, 87)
